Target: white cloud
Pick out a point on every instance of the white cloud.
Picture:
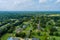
(2, 1)
(42, 1)
(19, 1)
(14, 1)
(57, 1)
(27, 4)
(15, 4)
(48, 1)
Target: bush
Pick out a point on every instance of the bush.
(57, 34)
(21, 34)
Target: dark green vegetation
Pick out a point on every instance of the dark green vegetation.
(30, 25)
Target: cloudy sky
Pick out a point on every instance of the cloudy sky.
(29, 5)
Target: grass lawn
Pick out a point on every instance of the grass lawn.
(4, 37)
(56, 37)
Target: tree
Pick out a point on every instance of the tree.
(21, 34)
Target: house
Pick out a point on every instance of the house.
(35, 39)
(13, 38)
(24, 26)
(17, 38)
(18, 30)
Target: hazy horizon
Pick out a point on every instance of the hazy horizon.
(29, 5)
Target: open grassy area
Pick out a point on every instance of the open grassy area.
(4, 37)
(56, 37)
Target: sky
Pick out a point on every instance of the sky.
(29, 5)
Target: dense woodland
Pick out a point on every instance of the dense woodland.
(30, 25)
